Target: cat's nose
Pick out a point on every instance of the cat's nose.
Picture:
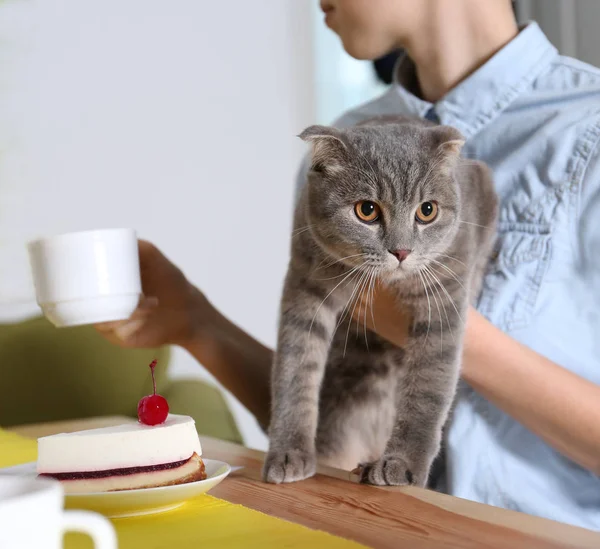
(400, 255)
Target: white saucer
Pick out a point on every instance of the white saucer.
(129, 503)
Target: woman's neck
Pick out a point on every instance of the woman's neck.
(457, 39)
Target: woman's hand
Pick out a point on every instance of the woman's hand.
(171, 312)
(175, 312)
(384, 314)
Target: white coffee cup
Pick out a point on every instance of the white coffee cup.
(86, 277)
(32, 516)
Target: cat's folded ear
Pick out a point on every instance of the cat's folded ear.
(447, 145)
(447, 140)
(329, 149)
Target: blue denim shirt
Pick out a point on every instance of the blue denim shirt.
(534, 118)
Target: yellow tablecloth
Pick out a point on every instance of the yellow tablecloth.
(203, 523)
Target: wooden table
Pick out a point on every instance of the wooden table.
(377, 517)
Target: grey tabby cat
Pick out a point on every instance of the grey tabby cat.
(391, 200)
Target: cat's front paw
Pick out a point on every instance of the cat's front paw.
(391, 470)
(289, 466)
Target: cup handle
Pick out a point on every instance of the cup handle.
(96, 526)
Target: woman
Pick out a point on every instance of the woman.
(525, 433)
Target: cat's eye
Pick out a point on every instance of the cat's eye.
(426, 212)
(367, 211)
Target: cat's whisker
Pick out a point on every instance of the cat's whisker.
(301, 230)
(346, 313)
(367, 296)
(343, 313)
(450, 272)
(321, 266)
(318, 268)
(356, 294)
(356, 301)
(428, 305)
(364, 302)
(350, 277)
(334, 277)
(320, 263)
(428, 277)
(363, 297)
(450, 298)
(443, 288)
(372, 295)
(438, 283)
(346, 310)
(359, 302)
(448, 257)
(327, 296)
(478, 225)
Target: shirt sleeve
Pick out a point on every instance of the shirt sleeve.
(588, 223)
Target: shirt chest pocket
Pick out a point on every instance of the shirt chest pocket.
(512, 282)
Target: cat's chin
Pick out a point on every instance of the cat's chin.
(394, 275)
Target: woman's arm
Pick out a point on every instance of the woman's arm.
(552, 402)
(557, 405)
(236, 359)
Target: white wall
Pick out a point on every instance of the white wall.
(176, 117)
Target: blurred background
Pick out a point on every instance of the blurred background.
(178, 118)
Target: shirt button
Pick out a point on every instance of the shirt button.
(432, 116)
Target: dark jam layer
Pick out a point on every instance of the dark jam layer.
(115, 472)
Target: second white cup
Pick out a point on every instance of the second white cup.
(86, 277)
(32, 517)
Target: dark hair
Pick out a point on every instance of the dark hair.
(384, 66)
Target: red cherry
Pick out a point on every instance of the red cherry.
(153, 409)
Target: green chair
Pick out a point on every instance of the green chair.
(50, 374)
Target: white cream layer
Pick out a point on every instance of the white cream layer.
(129, 445)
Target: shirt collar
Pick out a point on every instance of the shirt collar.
(483, 95)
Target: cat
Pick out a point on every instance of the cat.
(393, 200)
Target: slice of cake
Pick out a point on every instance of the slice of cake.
(125, 457)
